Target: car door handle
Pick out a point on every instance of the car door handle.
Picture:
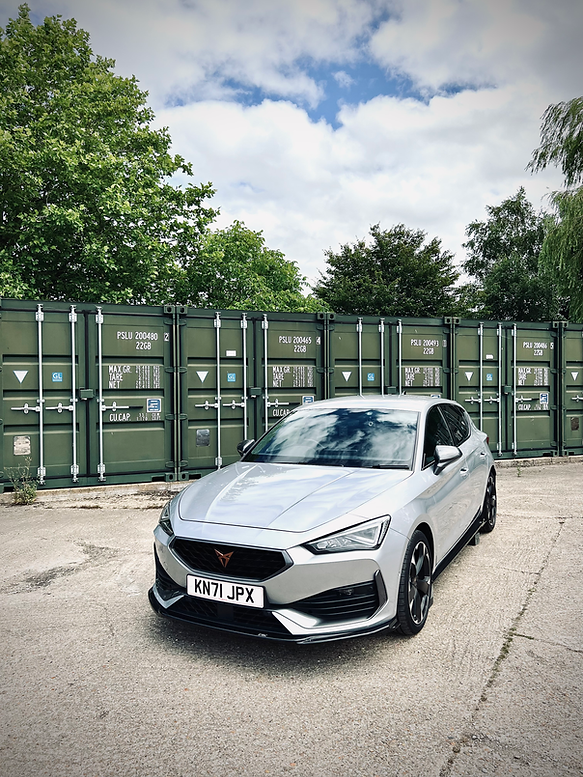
(483, 454)
(464, 471)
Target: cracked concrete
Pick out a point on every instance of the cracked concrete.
(94, 684)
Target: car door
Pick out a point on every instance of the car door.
(450, 488)
(466, 437)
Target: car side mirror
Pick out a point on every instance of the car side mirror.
(444, 455)
(244, 446)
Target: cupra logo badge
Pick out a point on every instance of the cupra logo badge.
(224, 558)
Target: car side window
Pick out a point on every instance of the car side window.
(457, 422)
(436, 433)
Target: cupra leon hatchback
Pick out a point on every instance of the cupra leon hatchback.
(334, 524)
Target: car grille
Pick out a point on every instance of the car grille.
(341, 604)
(245, 563)
(228, 616)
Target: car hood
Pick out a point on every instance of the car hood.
(282, 497)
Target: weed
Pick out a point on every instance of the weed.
(23, 482)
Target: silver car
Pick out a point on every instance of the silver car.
(334, 524)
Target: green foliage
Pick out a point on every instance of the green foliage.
(87, 211)
(562, 141)
(562, 253)
(395, 274)
(562, 145)
(503, 258)
(24, 484)
(234, 269)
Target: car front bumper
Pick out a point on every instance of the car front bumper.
(313, 598)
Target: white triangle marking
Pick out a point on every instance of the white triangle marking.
(574, 375)
(347, 376)
(202, 375)
(469, 375)
(20, 374)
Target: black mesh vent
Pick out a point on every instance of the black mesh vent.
(248, 620)
(246, 563)
(341, 604)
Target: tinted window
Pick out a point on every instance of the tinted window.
(344, 437)
(457, 422)
(436, 433)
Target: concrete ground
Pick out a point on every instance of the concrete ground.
(94, 684)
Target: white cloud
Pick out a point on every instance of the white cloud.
(473, 42)
(343, 79)
(433, 165)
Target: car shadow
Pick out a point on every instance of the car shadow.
(278, 659)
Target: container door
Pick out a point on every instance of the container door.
(422, 358)
(129, 391)
(215, 355)
(479, 377)
(534, 417)
(359, 359)
(289, 365)
(573, 390)
(44, 423)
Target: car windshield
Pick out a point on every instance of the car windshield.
(341, 437)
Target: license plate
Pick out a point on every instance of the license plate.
(222, 591)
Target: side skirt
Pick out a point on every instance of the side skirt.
(470, 532)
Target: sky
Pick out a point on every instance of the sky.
(316, 119)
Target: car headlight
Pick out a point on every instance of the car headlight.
(365, 536)
(165, 521)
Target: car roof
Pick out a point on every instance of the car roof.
(416, 402)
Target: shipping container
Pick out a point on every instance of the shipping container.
(118, 393)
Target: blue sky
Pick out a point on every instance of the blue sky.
(315, 119)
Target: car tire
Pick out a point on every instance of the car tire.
(415, 585)
(490, 506)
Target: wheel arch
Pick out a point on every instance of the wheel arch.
(426, 529)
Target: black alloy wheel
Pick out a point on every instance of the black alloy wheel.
(490, 505)
(415, 586)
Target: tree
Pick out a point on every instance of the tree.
(503, 259)
(87, 210)
(395, 274)
(235, 269)
(562, 145)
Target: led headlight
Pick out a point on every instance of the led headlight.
(365, 536)
(165, 521)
